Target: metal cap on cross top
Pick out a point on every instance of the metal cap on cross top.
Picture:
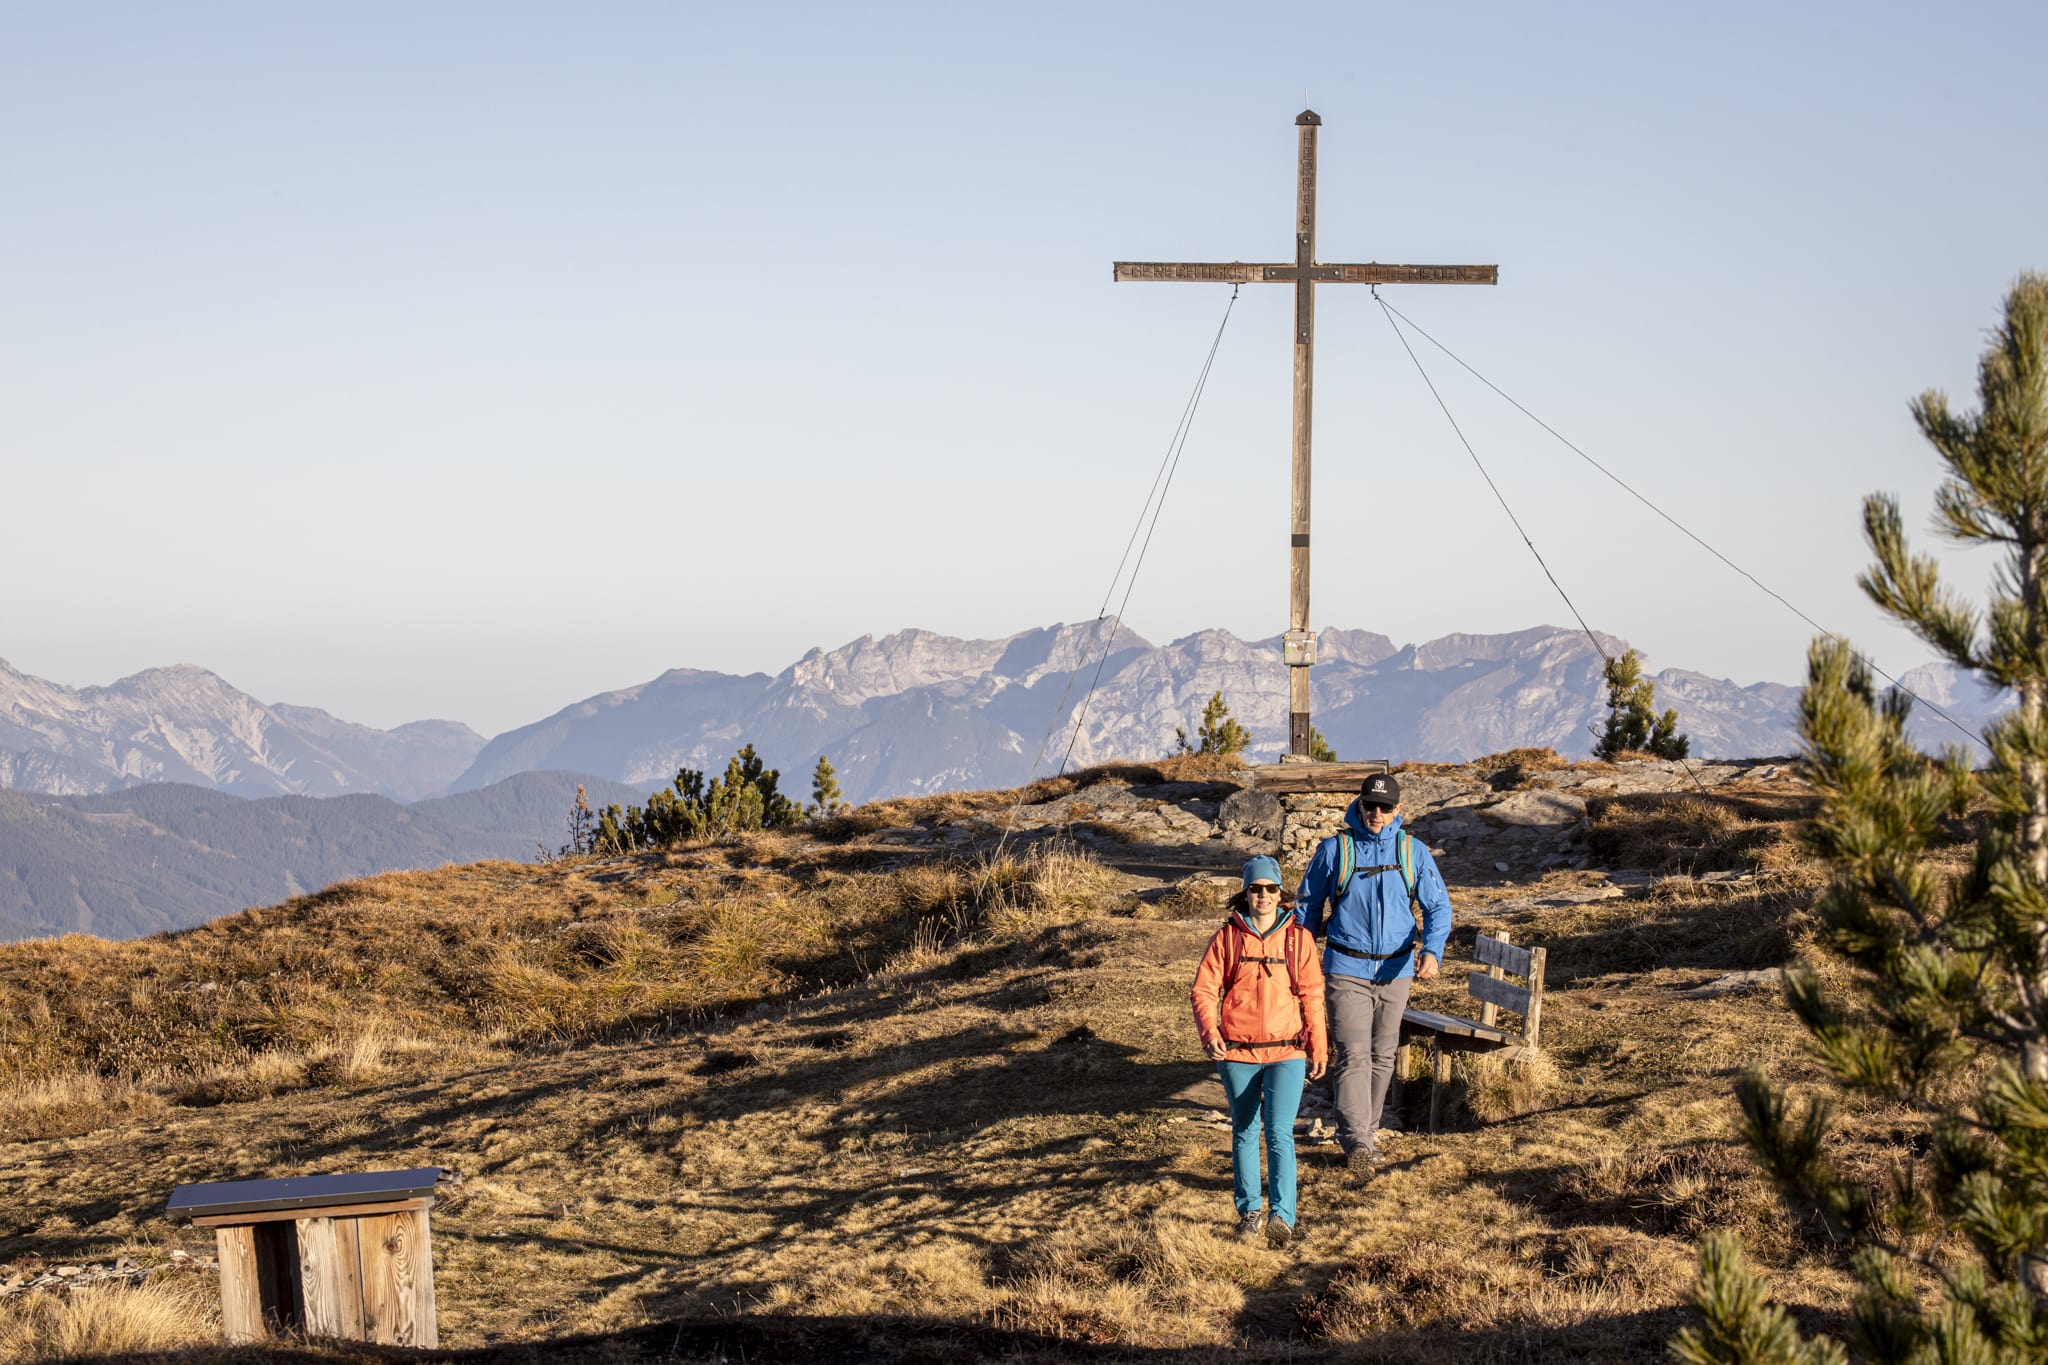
(1304, 274)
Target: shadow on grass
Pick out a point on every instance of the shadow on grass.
(1619, 1337)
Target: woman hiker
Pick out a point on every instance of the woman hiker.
(1258, 1001)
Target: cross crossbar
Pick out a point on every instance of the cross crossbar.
(1240, 272)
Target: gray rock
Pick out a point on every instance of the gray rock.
(1765, 978)
(1252, 812)
(1536, 807)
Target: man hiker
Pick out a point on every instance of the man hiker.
(1368, 874)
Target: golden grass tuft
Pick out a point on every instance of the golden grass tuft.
(164, 1313)
(1506, 1087)
(1162, 1281)
(67, 1103)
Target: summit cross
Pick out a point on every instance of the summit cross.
(1304, 274)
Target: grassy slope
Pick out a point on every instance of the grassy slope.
(963, 1102)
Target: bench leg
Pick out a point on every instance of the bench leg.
(1439, 1077)
(1402, 1054)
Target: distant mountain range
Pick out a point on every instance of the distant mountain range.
(912, 712)
(184, 724)
(170, 797)
(918, 712)
(168, 855)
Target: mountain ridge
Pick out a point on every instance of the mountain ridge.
(910, 712)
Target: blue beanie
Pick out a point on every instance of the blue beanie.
(1262, 869)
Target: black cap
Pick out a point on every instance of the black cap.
(1380, 790)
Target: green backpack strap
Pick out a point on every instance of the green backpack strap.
(1347, 862)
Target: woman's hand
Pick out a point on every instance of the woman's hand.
(1317, 1068)
(1217, 1049)
(1425, 970)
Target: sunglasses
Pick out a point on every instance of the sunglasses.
(1262, 889)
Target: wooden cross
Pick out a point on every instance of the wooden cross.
(1304, 274)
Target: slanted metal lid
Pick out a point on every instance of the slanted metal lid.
(301, 1192)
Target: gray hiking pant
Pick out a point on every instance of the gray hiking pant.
(1365, 1028)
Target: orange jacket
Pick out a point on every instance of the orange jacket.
(1264, 991)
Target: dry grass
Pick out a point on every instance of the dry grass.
(163, 1313)
(791, 1081)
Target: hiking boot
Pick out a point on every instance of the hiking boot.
(1278, 1233)
(1362, 1162)
(1250, 1225)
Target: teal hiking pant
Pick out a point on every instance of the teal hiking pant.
(1268, 1091)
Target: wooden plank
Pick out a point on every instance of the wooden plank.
(1508, 997)
(397, 1306)
(1284, 779)
(219, 1220)
(428, 1330)
(1489, 1013)
(1375, 273)
(1201, 272)
(1498, 952)
(348, 1242)
(1532, 1023)
(321, 1281)
(241, 1299)
(380, 1307)
(1428, 1021)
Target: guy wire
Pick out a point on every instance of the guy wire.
(1162, 481)
(1598, 648)
(1679, 526)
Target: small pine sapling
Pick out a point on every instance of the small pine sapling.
(826, 798)
(1219, 732)
(1319, 749)
(1633, 725)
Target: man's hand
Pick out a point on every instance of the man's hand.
(1425, 970)
(1217, 1049)
(1316, 1069)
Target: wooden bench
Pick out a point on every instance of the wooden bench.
(1448, 1033)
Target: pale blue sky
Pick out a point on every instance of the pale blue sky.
(467, 359)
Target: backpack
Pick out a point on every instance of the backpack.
(1347, 863)
(1287, 942)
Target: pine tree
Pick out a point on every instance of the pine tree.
(744, 798)
(582, 826)
(1633, 725)
(1219, 732)
(1949, 971)
(825, 794)
(1319, 749)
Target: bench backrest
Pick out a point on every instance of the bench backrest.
(1502, 959)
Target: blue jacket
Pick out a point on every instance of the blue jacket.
(1373, 916)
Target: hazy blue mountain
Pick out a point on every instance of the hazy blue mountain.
(184, 724)
(170, 855)
(919, 712)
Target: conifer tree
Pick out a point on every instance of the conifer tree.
(825, 793)
(1949, 972)
(582, 826)
(1319, 749)
(1633, 725)
(1219, 732)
